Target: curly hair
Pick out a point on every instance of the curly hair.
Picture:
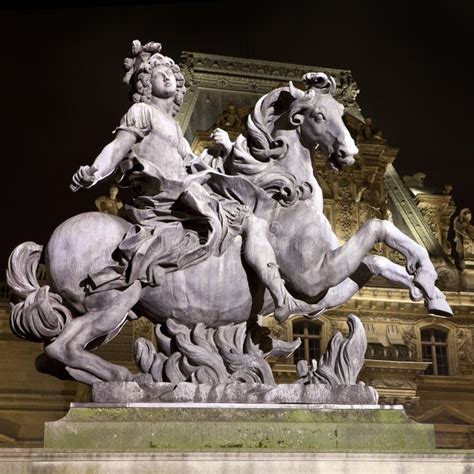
(139, 71)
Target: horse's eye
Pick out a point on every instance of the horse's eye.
(319, 117)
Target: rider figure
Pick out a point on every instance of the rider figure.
(152, 154)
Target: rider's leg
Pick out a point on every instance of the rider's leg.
(106, 311)
(260, 255)
(202, 203)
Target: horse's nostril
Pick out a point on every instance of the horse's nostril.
(341, 153)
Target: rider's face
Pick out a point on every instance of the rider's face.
(163, 82)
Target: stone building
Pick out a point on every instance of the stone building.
(423, 362)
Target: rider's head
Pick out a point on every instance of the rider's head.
(150, 73)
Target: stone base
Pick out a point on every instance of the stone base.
(155, 392)
(242, 427)
(23, 461)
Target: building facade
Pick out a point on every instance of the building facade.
(421, 361)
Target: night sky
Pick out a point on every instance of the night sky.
(63, 95)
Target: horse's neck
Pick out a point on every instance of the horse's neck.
(297, 162)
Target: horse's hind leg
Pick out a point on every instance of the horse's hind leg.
(106, 311)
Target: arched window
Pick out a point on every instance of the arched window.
(310, 334)
(434, 349)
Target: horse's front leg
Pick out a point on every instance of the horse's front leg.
(342, 262)
(377, 265)
(435, 304)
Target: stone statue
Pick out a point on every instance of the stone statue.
(369, 199)
(110, 204)
(368, 132)
(230, 119)
(464, 235)
(176, 256)
(416, 181)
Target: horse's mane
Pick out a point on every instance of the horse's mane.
(257, 153)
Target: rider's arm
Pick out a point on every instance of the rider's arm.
(113, 153)
(134, 126)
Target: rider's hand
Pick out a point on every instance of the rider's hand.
(221, 138)
(84, 177)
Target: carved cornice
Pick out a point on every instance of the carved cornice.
(257, 76)
(229, 65)
(394, 366)
(34, 406)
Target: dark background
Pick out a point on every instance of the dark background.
(62, 90)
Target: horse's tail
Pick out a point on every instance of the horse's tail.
(37, 314)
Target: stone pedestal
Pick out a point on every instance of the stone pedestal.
(34, 461)
(196, 427)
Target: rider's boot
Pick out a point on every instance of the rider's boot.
(285, 304)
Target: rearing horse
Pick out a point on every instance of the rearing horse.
(275, 156)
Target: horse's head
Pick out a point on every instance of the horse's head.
(283, 126)
(319, 118)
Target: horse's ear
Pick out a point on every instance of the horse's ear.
(294, 91)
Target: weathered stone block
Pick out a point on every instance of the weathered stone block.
(131, 392)
(213, 427)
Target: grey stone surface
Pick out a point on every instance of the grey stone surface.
(197, 234)
(131, 392)
(26, 461)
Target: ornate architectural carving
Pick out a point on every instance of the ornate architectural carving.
(437, 210)
(464, 350)
(394, 380)
(464, 237)
(345, 207)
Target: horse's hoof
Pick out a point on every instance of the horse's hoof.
(439, 307)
